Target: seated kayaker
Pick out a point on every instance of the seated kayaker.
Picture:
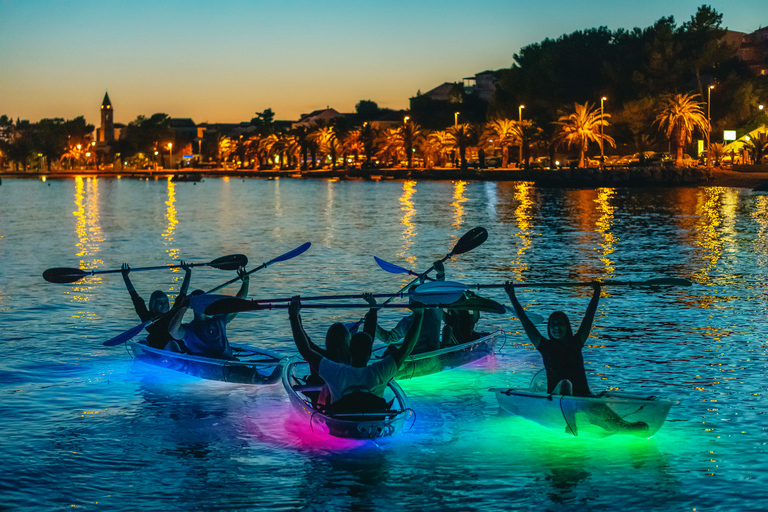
(459, 325)
(561, 351)
(431, 328)
(207, 335)
(157, 332)
(346, 379)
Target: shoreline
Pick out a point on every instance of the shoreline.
(718, 177)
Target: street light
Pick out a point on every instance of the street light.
(170, 155)
(709, 123)
(602, 155)
(520, 120)
(455, 118)
(405, 121)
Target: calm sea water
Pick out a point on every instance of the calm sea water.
(84, 426)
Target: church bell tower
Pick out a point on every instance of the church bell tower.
(107, 131)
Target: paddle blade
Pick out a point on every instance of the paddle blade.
(440, 287)
(231, 262)
(390, 267)
(127, 335)
(291, 254)
(64, 275)
(199, 303)
(475, 303)
(233, 305)
(470, 240)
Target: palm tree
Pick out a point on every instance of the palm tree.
(507, 133)
(679, 116)
(581, 126)
(353, 144)
(301, 134)
(388, 146)
(407, 137)
(461, 137)
(757, 147)
(715, 153)
(437, 144)
(325, 138)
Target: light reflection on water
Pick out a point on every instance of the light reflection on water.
(127, 435)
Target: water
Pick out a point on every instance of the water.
(84, 426)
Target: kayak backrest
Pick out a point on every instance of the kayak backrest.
(539, 381)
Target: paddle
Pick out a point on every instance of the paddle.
(238, 306)
(130, 333)
(65, 275)
(228, 305)
(664, 281)
(395, 269)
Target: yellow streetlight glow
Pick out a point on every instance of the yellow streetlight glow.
(405, 121)
(520, 120)
(455, 118)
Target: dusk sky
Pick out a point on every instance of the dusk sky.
(224, 61)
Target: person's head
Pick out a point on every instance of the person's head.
(158, 303)
(199, 315)
(337, 343)
(360, 348)
(559, 327)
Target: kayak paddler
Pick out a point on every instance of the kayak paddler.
(357, 386)
(157, 333)
(207, 335)
(561, 350)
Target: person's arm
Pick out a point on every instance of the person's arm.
(440, 270)
(176, 329)
(370, 326)
(138, 303)
(589, 316)
(533, 334)
(411, 337)
(184, 284)
(300, 337)
(242, 293)
(395, 334)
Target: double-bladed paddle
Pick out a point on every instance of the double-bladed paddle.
(663, 281)
(127, 335)
(234, 305)
(66, 275)
(226, 305)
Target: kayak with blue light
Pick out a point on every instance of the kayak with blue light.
(370, 424)
(435, 361)
(595, 416)
(252, 366)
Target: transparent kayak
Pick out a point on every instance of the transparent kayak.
(427, 363)
(595, 416)
(251, 367)
(368, 425)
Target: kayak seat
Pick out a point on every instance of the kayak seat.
(360, 401)
(539, 381)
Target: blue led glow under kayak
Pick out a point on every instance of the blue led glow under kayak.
(251, 367)
(596, 417)
(368, 425)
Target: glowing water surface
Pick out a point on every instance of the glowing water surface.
(84, 426)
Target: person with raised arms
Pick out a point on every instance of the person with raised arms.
(563, 360)
(431, 328)
(207, 335)
(348, 383)
(157, 332)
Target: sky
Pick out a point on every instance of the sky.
(223, 61)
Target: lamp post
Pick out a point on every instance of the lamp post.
(602, 154)
(709, 125)
(455, 118)
(170, 155)
(520, 121)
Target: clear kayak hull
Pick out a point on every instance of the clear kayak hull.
(369, 425)
(595, 416)
(427, 363)
(252, 366)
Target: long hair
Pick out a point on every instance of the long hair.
(337, 343)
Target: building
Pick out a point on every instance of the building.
(753, 51)
(317, 117)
